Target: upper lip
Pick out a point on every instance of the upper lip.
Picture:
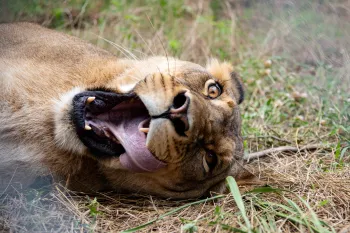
(180, 121)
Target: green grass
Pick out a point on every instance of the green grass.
(302, 98)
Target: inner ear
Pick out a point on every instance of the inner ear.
(239, 93)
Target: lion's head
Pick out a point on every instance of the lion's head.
(164, 127)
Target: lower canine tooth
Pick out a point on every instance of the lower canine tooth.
(90, 99)
(144, 130)
(87, 127)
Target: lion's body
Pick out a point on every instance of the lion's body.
(37, 66)
(40, 72)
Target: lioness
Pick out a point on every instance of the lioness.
(157, 126)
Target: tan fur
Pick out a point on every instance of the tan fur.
(40, 72)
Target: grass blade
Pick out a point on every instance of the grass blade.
(266, 189)
(170, 213)
(231, 229)
(238, 199)
(316, 221)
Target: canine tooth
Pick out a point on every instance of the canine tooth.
(144, 130)
(90, 99)
(108, 135)
(205, 165)
(87, 127)
(115, 140)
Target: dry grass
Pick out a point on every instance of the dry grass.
(302, 99)
(327, 193)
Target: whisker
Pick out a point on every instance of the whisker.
(161, 42)
(121, 49)
(149, 48)
(141, 53)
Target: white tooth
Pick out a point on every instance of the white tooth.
(205, 165)
(108, 135)
(144, 130)
(90, 99)
(87, 127)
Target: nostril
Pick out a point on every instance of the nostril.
(181, 126)
(180, 102)
(178, 113)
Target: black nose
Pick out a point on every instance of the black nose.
(178, 113)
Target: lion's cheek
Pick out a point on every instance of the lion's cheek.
(65, 135)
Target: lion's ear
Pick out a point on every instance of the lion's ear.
(224, 71)
(239, 88)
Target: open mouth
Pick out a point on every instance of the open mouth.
(115, 125)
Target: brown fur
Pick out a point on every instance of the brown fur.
(41, 71)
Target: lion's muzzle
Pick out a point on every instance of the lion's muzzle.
(177, 113)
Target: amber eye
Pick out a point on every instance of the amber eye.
(214, 91)
(209, 160)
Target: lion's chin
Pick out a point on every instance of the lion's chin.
(120, 131)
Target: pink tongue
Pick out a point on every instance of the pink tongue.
(124, 126)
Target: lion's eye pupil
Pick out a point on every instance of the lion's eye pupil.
(211, 159)
(214, 91)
